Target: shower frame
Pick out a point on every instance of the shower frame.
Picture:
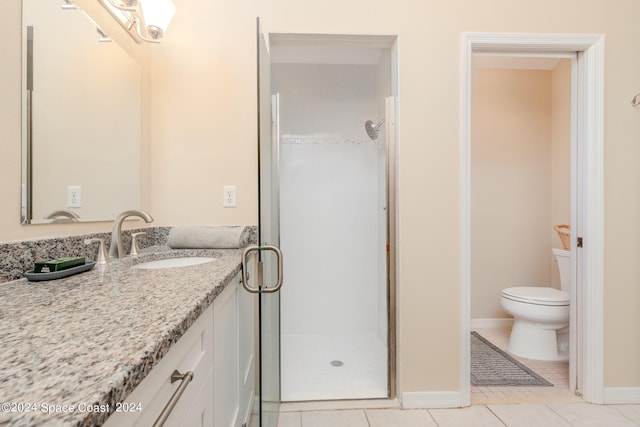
(338, 41)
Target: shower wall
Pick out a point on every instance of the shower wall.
(331, 202)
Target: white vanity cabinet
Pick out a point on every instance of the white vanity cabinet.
(218, 349)
(192, 353)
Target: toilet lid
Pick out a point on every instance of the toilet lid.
(537, 295)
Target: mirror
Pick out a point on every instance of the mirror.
(81, 118)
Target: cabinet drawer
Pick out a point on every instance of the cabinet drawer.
(192, 353)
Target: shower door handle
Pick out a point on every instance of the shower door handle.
(261, 287)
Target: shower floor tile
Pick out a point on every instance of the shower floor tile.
(309, 374)
(557, 373)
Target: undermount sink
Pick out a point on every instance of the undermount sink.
(175, 262)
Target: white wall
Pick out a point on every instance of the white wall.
(329, 198)
(514, 176)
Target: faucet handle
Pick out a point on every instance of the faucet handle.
(135, 249)
(101, 257)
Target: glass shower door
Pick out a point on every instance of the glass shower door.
(269, 239)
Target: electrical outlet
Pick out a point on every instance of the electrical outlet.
(74, 196)
(229, 196)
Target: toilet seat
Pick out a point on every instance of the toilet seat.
(537, 295)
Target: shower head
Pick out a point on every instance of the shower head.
(372, 128)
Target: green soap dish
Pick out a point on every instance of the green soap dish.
(38, 277)
(58, 264)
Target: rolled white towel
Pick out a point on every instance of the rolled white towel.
(208, 237)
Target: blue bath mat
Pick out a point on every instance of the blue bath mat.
(491, 366)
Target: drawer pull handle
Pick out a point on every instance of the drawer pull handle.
(175, 376)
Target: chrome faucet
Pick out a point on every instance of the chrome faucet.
(115, 249)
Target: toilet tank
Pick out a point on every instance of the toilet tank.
(563, 259)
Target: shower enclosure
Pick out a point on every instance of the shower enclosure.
(336, 122)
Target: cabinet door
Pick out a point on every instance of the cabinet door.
(246, 342)
(226, 405)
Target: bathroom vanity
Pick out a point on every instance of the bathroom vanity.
(100, 348)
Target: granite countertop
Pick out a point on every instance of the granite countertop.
(91, 338)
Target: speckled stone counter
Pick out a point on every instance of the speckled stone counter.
(91, 338)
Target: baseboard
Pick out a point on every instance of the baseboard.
(621, 395)
(432, 400)
(497, 323)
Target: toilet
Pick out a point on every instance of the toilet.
(541, 316)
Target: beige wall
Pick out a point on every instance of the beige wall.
(520, 180)
(560, 154)
(510, 184)
(203, 137)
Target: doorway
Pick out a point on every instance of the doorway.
(521, 178)
(585, 364)
(336, 135)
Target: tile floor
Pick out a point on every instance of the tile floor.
(307, 372)
(557, 373)
(491, 406)
(498, 415)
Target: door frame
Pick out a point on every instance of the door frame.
(588, 174)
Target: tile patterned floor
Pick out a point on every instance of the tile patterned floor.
(557, 373)
(498, 415)
(491, 406)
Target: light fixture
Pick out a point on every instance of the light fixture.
(149, 18)
(102, 36)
